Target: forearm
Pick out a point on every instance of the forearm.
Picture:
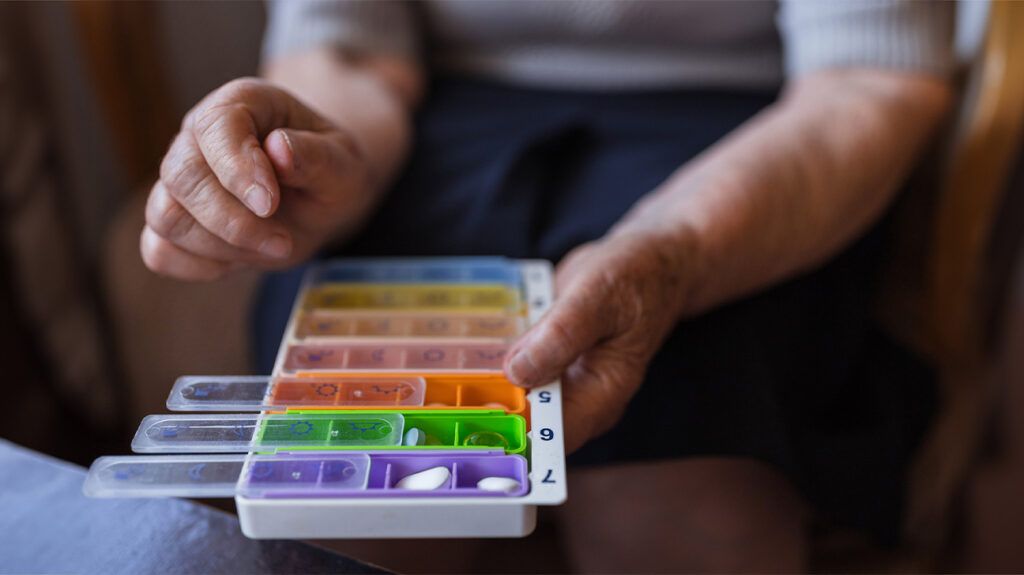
(370, 97)
(791, 187)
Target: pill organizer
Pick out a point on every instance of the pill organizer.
(388, 368)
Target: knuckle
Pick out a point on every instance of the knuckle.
(239, 230)
(175, 223)
(182, 174)
(242, 88)
(210, 120)
(559, 334)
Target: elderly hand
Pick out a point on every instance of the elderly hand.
(254, 179)
(617, 299)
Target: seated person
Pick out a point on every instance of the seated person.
(710, 178)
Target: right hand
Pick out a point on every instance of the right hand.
(254, 179)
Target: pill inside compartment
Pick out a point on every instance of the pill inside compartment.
(464, 473)
(488, 393)
(468, 430)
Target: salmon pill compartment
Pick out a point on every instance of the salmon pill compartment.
(387, 414)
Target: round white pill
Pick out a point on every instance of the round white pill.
(414, 436)
(503, 484)
(426, 480)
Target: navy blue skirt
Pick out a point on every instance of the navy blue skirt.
(797, 376)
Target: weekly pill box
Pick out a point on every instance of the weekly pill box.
(375, 349)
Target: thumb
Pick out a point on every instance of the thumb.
(595, 392)
(317, 162)
(571, 327)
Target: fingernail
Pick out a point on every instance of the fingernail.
(291, 149)
(277, 247)
(258, 199)
(521, 368)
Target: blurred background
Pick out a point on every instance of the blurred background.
(91, 93)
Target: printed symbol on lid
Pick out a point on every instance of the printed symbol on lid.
(538, 303)
(327, 389)
(377, 354)
(487, 298)
(338, 470)
(124, 472)
(383, 325)
(437, 324)
(240, 431)
(170, 431)
(435, 297)
(433, 354)
(364, 430)
(196, 390)
(300, 427)
(195, 473)
(318, 355)
(491, 324)
(324, 326)
(490, 355)
(262, 470)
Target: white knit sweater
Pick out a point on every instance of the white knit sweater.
(621, 44)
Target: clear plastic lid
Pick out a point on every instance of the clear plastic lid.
(480, 270)
(409, 297)
(281, 475)
(235, 433)
(304, 475)
(359, 356)
(242, 393)
(164, 476)
(335, 324)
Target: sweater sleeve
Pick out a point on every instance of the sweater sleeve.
(359, 26)
(909, 35)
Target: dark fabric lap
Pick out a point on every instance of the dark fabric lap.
(796, 377)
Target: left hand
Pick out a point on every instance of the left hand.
(617, 299)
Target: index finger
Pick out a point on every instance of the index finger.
(229, 127)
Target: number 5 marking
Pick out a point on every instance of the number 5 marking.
(545, 396)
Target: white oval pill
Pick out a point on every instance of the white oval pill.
(426, 480)
(414, 436)
(504, 484)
